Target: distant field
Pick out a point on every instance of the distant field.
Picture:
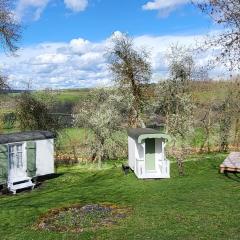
(209, 92)
(203, 92)
(72, 95)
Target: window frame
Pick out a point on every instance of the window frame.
(15, 155)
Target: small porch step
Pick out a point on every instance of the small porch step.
(17, 184)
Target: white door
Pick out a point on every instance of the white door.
(17, 162)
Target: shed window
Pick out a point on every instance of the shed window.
(15, 156)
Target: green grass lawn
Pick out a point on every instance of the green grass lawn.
(202, 205)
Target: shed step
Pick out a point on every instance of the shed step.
(14, 186)
(15, 180)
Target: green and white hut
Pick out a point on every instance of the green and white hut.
(146, 155)
(25, 155)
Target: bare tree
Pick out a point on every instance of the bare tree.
(3, 83)
(229, 117)
(225, 123)
(10, 32)
(175, 103)
(207, 125)
(227, 14)
(102, 115)
(181, 68)
(132, 71)
(236, 112)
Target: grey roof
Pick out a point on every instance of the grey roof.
(25, 136)
(143, 133)
(136, 132)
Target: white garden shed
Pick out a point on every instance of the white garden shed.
(146, 155)
(25, 155)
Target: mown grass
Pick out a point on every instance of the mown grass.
(201, 205)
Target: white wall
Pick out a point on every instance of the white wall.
(159, 149)
(136, 153)
(45, 157)
(140, 159)
(131, 153)
(140, 150)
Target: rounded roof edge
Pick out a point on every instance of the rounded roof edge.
(155, 135)
(143, 133)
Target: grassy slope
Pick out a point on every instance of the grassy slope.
(201, 205)
(209, 92)
(72, 95)
(202, 91)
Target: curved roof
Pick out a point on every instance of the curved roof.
(143, 133)
(25, 136)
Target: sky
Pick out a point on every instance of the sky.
(64, 42)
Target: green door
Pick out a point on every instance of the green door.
(3, 163)
(150, 154)
(31, 159)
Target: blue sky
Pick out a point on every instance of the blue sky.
(103, 17)
(64, 41)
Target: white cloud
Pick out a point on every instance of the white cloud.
(82, 63)
(76, 5)
(30, 8)
(80, 45)
(164, 6)
(49, 58)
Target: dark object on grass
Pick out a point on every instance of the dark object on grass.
(125, 168)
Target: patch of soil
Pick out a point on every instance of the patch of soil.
(79, 218)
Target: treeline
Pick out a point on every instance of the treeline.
(174, 105)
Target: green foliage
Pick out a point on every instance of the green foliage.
(9, 120)
(198, 138)
(34, 114)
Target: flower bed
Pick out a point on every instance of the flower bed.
(82, 218)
